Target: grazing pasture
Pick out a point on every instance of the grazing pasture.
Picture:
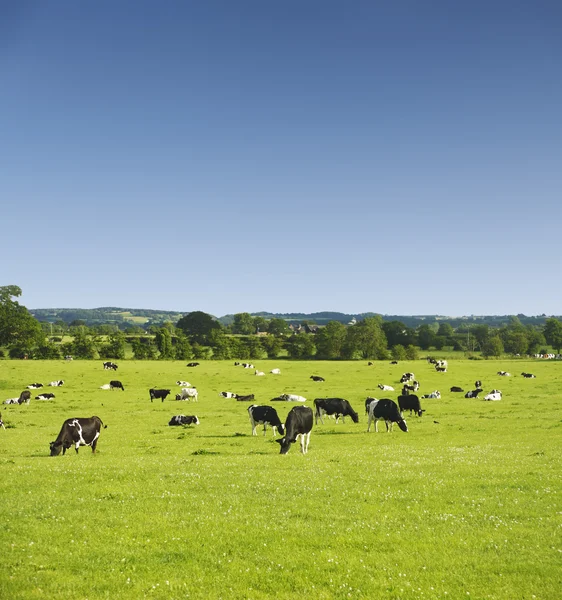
(464, 505)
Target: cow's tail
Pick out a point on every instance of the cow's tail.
(104, 426)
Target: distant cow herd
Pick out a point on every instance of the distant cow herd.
(298, 424)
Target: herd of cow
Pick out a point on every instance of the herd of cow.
(298, 424)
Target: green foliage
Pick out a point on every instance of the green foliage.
(412, 352)
(272, 346)
(398, 352)
(426, 337)
(163, 340)
(300, 345)
(115, 347)
(198, 326)
(17, 327)
(366, 340)
(493, 346)
(330, 340)
(47, 351)
(278, 327)
(553, 333)
(243, 324)
(182, 346)
(144, 350)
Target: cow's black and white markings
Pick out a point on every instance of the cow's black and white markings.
(317, 378)
(493, 395)
(44, 396)
(410, 402)
(407, 377)
(275, 371)
(387, 410)
(504, 374)
(184, 420)
(245, 398)
(192, 364)
(473, 393)
(77, 432)
(58, 383)
(290, 398)
(265, 415)
(434, 395)
(248, 366)
(11, 401)
(158, 393)
(34, 386)
(528, 375)
(228, 394)
(116, 385)
(183, 383)
(187, 394)
(339, 407)
(386, 388)
(108, 365)
(298, 424)
(478, 383)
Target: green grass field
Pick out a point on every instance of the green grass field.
(465, 505)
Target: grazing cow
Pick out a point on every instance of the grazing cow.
(77, 432)
(259, 373)
(155, 394)
(245, 398)
(68, 357)
(406, 377)
(298, 423)
(11, 401)
(504, 373)
(105, 386)
(394, 362)
(110, 365)
(236, 364)
(275, 371)
(248, 366)
(183, 383)
(456, 388)
(184, 420)
(528, 375)
(434, 394)
(493, 395)
(317, 378)
(56, 383)
(34, 386)
(441, 363)
(187, 394)
(369, 364)
(478, 383)
(45, 397)
(25, 397)
(386, 388)
(2, 423)
(387, 410)
(228, 394)
(290, 398)
(410, 402)
(265, 415)
(473, 393)
(192, 364)
(114, 384)
(334, 406)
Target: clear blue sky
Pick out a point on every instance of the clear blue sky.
(399, 157)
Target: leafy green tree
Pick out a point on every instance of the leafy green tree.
(398, 352)
(220, 345)
(47, 351)
(272, 346)
(480, 333)
(493, 346)
(163, 341)
(397, 333)
(278, 327)
(115, 347)
(300, 345)
(412, 352)
(144, 349)
(535, 339)
(197, 326)
(366, 339)
(553, 333)
(83, 345)
(330, 340)
(260, 324)
(243, 324)
(17, 326)
(445, 329)
(426, 337)
(182, 346)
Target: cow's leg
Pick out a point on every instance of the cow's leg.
(264, 428)
(307, 436)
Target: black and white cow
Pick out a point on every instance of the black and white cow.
(77, 432)
(45, 397)
(410, 402)
(265, 415)
(56, 383)
(228, 395)
(478, 383)
(248, 366)
(187, 394)
(436, 394)
(528, 375)
(275, 371)
(155, 394)
(317, 378)
(183, 383)
(387, 410)
(245, 398)
(11, 401)
(504, 374)
(406, 377)
(493, 395)
(456, 388)
(441, 369)
(25, 397)
(386, 388)
(108, 365)
(2, 423)
(116, 385)
(34, 386)
(290, 398)
(192, 364)
(184, 420)
(473, 393)
(298, 424)
(339, 407)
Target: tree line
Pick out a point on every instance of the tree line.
(198, 335)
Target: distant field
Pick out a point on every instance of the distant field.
(465, 505)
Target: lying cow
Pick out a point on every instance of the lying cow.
(435, 394)
(187, 394)
(44, 397)
(184, 420)
(528, 375)
(265, 415)
(298, 424)
(504, 374)
(290, 398)
(275, 371)
(386, 388)
(183, 383)
(34, 386)
(410, 402)
(317, 378)
(245, 398)
(77, 432)
(456, 388)
(56, 383)
(339, 407)
(493, 395)
(473, 393)
(192, 364)
(155, 394)
(105, 386)
(387, 410)
(228, 394)
(11, 401)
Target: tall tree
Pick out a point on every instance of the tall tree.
(243, 324)
(278, 326)
(17, 326)
(553, 333)
(197, 326)
(366, 339)
(330, 340)
(163, 340)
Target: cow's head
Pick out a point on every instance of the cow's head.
(354, 416)
(56, 448)
(285, 444)
(403, 425)
(178, 396)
